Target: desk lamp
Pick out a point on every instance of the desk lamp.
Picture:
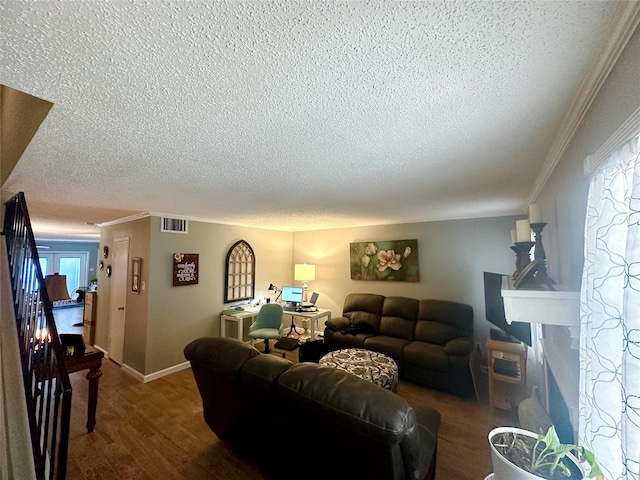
(304, 273)
(275, 290)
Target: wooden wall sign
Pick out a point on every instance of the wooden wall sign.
(185, 269)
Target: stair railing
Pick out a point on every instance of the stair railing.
(46, 381)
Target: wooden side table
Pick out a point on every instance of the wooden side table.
(92, 360)
(507, 373)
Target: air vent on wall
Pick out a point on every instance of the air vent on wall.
(175, 225)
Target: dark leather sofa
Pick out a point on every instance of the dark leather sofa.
(309, 421)
(430, 340)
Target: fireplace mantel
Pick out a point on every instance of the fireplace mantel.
(550, 307)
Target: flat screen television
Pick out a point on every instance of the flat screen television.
(494, 311)
(292, 295)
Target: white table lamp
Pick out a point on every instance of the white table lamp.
(304, 273)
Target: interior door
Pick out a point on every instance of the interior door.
(117, 302)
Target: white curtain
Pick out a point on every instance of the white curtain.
(609, 416)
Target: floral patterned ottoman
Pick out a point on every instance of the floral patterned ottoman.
(372, 366)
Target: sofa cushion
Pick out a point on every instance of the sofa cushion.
(428, 355)
(356, 428)
(363, 307)
(441, 321)
(261, 373)
(390, 346)
(222, 355)
(381, 415)
(399, 317)
(345, 340)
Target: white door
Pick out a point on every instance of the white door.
(117, 303)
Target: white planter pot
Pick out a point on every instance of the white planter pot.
(503, 469)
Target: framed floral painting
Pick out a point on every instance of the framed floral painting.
(389, 260)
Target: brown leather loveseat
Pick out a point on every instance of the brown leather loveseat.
(430, 340)
(310, 421)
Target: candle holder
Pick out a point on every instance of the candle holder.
(522, 250)
(539, 255)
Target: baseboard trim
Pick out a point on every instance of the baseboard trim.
(147, 378)
(97, 347)
(154, 376)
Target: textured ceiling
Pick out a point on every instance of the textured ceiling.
(292, 115)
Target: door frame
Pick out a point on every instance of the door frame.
(118, 299)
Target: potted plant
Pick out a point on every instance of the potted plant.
(518, 454)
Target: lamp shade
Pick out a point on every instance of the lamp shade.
(304, 272)
(56, 286)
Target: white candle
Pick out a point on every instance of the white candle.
(514, 237)
(523, 231)
(535, 213)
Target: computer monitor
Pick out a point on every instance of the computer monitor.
(292, 294)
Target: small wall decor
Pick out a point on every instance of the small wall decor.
(101, 265)
(136, 269)
(108, 271)
(105, 251)
(389, 260)
(185, 269)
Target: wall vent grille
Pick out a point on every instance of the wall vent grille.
(174, 225)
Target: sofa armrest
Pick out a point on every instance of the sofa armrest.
(338, 323)
(420, 456)
(459, 346)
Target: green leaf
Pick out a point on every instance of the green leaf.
(550, 438)
(590, 458)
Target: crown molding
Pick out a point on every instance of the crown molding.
(130, 218)
(627, 130)
(623, 24)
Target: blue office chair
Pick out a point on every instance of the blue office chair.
(268, 325)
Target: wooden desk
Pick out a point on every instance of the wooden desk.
(239, 317)
(92, 360)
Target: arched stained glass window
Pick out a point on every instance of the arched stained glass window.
(240, 278)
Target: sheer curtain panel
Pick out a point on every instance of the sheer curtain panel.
(609, 417)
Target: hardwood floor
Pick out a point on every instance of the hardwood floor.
(156, 431)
